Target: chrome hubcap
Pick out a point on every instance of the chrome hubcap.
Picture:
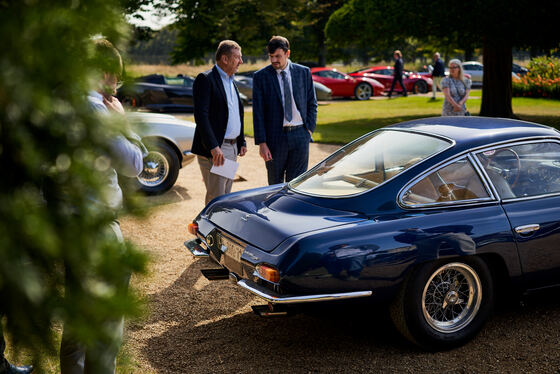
(451, 297)
(364, 92)
(156, 169)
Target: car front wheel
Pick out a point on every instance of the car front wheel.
(363, 91)
(444, 304)
(161, 168)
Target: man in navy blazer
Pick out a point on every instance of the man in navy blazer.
(284, 113)
(218, 113)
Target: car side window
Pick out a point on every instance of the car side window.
(524, 170)
(455, 182)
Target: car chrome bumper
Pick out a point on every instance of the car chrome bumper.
(274, 298)
(188, 157)
(196, 247)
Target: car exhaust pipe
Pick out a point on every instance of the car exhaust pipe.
(215, 274)
(270, 310)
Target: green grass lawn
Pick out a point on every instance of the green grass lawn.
(341, 121)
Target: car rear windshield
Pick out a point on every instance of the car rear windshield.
(368, 162)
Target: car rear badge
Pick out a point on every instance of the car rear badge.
(210, 240)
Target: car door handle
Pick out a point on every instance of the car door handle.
(527, 229)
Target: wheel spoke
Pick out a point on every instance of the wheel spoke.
(448, 301)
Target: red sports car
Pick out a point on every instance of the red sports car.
(343, 85)
(384, 74)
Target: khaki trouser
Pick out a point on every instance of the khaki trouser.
(216, 185)
(436, 83)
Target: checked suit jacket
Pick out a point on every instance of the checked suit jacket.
(211, 113)
(268, 109)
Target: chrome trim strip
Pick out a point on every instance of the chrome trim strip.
(267, 295)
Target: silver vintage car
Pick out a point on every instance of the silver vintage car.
(168, 140)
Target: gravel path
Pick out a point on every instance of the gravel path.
(197, 326)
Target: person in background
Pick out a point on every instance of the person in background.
(284, 113)
(218, 113)
(456, 89)
(128, 158)
(437, 74)
(398, 73)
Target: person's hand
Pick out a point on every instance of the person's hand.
(457, 107)
(310, 133)
(265, 152)
(242, 151)
(217, 156)
(113, 104)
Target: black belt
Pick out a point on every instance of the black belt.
(291, 128)
(230, 141)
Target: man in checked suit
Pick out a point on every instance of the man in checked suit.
(218, 113)
(284, 113)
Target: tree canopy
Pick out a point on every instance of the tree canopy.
(494, 25)
(202, 24)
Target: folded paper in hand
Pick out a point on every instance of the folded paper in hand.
(227, 170)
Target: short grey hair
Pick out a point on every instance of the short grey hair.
(225, 48)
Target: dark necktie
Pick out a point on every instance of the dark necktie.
(287, 97)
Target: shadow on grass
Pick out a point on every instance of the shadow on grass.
(346, 131)
(553, 121)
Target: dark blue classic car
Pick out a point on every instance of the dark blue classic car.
(435, 217)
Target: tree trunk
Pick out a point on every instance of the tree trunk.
(496, 80)
(322, 58)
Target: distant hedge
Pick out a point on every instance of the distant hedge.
(543, 79)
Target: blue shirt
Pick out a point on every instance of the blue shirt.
(233, 128)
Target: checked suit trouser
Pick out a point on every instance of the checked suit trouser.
(291, 156)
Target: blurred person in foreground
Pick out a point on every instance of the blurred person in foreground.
(437, 74)
(218, 113)
(397, 73)
(127, 159)
(284, 113)
(456, 89)
(5, 366)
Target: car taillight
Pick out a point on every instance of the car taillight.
(268, 273)
(192, 228)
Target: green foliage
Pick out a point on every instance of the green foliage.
(342, 121)
(153, 49)
(55, 151)
(204, 23)
(543, 79)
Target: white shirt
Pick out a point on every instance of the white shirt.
(129, 157)
(296, 115)
(233, 128)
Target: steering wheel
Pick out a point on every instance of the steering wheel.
(505, 172)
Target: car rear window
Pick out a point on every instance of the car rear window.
(368, 162)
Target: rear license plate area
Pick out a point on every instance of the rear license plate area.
(231, 253)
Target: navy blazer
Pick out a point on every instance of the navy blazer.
(268, 110)
(211, 113)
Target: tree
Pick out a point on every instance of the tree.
(55, 149)
(496, 25)
(202, 24)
